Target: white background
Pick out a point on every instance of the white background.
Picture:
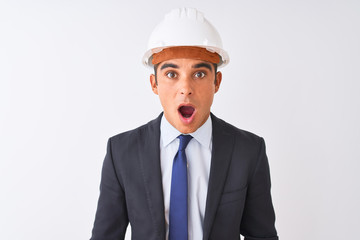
(71, 77)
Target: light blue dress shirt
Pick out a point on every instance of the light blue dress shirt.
(198, 154)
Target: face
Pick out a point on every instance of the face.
(186, 89)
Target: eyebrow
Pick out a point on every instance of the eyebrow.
(205, 65)
(168, 65)
(199, 65)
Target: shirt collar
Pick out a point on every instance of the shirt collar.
(203, 134)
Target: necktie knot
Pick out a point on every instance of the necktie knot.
(184, 141)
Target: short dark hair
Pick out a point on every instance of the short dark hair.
(156, 67)
(155, 73)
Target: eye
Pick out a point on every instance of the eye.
(199, 75)
(171, 75)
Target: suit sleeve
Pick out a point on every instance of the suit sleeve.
(111, 218)
(258, 221)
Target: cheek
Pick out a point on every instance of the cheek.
(207, 95)
(166, 98)
(210, 100)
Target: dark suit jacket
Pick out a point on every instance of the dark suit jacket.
(238, 199)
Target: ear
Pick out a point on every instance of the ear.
(218, 81)
(153, 84)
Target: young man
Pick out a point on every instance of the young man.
(186, 174)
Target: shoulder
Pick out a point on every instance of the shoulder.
(241, 135)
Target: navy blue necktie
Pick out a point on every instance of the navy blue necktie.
(178, 217)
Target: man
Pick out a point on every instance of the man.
(186, 174)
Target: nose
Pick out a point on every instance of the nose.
(185, 87)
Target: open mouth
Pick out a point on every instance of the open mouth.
(186, 111)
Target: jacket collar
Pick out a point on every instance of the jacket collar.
(149, 155)
(223, 144)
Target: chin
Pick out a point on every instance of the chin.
(186, 129)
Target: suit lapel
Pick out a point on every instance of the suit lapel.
(150, 166)
(223, 143)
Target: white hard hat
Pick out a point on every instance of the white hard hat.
(185, 27)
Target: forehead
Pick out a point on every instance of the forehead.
(185, 63)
